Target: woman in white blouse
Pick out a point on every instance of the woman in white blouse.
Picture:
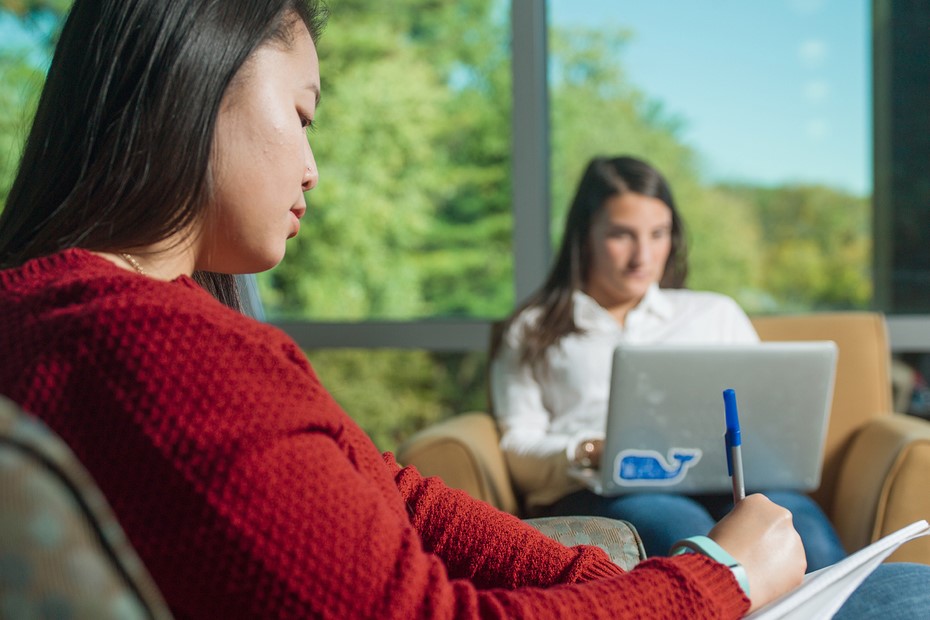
(618, 278)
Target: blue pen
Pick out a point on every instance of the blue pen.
(734, 442)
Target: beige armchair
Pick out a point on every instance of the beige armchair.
(876, 462)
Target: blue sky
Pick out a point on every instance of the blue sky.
(11, 33)
(14, 37)
(771, 91)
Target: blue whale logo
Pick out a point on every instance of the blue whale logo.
(648, 467)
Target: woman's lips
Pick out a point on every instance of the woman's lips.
(637, 274)
(297, 213)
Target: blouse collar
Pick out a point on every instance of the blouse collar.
(588, 313)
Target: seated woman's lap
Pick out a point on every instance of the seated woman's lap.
(664, 518)
(898, 590)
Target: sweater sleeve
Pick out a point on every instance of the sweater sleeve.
(495, 549)
(487, 546)
(309, 535)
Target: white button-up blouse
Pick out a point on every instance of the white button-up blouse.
(544, 411)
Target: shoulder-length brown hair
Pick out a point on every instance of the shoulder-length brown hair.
(602, 179)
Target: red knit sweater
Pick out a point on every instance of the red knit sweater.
(249, 493)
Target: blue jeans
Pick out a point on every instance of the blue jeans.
(897, 591)
(663, 519)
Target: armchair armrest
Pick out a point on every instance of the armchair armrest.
(464, 451)
(618, 538)
(882, 484)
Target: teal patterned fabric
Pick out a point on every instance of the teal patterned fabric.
(62, 553)
(618, 538)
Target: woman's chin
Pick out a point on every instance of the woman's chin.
(270, 263)
(251, 264)
(271, 258)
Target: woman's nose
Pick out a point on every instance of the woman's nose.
(310, 179)
(311, 174)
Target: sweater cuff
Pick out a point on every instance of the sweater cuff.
(591, 564)
(715, 580)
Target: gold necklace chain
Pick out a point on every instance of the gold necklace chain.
(129, 258)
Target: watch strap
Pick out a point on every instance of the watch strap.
(706, 546)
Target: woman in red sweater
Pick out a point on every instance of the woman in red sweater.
(169, 151)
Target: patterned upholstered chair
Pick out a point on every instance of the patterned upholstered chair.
(62, 553)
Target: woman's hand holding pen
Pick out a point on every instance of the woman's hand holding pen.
(760, 535)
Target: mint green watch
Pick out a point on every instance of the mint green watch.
(706, 546)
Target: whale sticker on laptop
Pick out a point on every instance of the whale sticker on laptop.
(635, 467)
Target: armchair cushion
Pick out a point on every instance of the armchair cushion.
(882, 485)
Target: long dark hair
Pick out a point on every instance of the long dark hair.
(602, 179)
(120, 148)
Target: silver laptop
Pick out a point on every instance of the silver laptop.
(665, 418)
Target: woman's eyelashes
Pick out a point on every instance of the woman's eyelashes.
(306, 122)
